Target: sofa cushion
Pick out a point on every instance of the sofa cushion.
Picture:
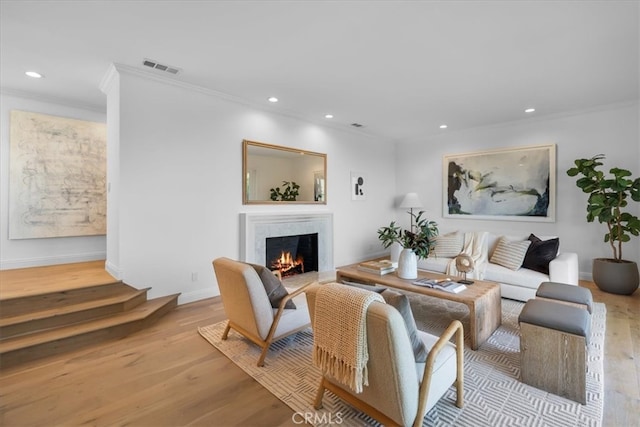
(510, 254)
(447, 245)
(273, 286)
(439, 265)
(401, 303)
(540, 253)
(522, 277)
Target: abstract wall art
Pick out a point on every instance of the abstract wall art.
(516, 184)
(57, 178)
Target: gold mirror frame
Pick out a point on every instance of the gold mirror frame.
(266, 166)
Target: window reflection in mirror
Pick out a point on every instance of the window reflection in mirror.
(276, 174)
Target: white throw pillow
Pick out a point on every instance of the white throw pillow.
(510, 254)
(448, 245)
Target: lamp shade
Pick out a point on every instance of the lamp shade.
(411, 200)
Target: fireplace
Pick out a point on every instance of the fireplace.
(256, 229)
(291, 255)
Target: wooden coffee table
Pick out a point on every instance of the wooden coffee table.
(482, 298)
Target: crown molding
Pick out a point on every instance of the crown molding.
(108, 80)
(172, 81)
(528, 120)
(52, 99)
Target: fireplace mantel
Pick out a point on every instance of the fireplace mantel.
(256, 227)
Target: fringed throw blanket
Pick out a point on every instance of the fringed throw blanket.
(475, 245)
(339, 334)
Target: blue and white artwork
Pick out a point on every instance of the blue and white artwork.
(514, 184)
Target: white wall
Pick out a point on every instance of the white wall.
(35, 252)
(613, 131)
(180, 189)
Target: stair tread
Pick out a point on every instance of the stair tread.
(34, 281)
(72, 308)
(138, 313)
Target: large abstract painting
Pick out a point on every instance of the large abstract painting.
(511, 184)
(57, 176)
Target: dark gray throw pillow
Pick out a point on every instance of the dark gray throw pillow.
(401, 303)
(273, 286)
(540, 253)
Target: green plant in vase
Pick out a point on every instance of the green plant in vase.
(417, 242)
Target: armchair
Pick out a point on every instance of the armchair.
(248, 309)
(400, 391)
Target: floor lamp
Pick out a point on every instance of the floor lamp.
(411, 201)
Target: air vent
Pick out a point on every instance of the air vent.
(155, 65)
(356, 125)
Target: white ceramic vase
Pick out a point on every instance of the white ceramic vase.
(396, 248)
(408, 264)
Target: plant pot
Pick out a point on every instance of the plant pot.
(408, 264)
(616, 277)
(396, 248)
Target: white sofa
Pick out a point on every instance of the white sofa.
(520, 284)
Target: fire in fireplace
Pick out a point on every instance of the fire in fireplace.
(291, 255)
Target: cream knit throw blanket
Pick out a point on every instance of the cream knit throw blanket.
(340, 335)
(475, 245)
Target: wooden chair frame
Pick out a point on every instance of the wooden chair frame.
(264, 344)
(455, 327)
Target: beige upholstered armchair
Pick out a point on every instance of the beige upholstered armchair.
(400, 391)
(250, 312)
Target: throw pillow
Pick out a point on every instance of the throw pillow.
(401, 303)
(510, 254)
(273, 286)
(448, 245)
(540, 253)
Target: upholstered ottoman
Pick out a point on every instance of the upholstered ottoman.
(553, 348)
(568, 294)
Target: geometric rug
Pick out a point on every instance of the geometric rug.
(493, 395)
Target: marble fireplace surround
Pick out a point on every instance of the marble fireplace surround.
(256, 227)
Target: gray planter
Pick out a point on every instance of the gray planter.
(616, 277)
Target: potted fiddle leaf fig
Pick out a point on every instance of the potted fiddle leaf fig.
(608, 203)
(417, 243)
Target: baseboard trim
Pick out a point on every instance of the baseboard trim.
(188, 297)
(113, 270)
(51, 260)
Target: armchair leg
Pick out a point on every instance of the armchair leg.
(226, 331)
(265, 349)
(460, 369)
(319, 395)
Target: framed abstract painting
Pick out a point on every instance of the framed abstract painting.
(517, 184)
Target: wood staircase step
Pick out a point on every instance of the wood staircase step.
(68, 311)
(28, 347)
(58, 299)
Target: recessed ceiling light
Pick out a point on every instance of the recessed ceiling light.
(529, 110)
(273, 99)
(443, 126)
(328, 116)
(34, 74)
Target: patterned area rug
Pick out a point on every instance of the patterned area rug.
(493, 395)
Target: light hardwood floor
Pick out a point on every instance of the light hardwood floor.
(168, 375)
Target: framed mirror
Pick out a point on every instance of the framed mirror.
(272, 174)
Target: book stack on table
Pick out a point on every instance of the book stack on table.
(380, 267)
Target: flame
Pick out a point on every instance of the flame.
(288, 266)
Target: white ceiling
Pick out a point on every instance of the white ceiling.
(400, 68)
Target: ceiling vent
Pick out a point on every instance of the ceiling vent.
(167, 68)
(356, 125)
